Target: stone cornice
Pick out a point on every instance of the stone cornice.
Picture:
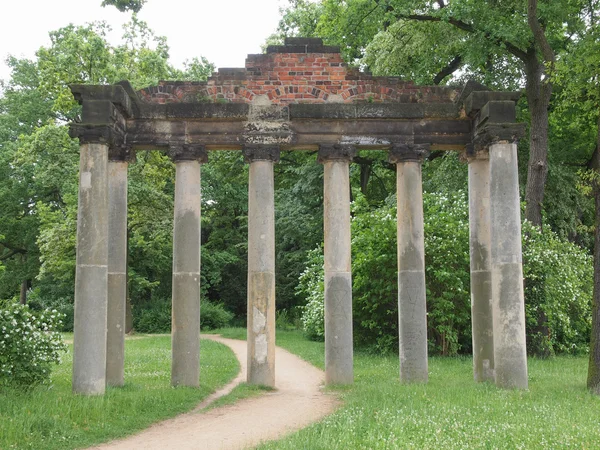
(332, 152)
(261, 153)
(400, 153)
(188, 152)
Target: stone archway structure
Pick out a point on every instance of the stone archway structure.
(299, 96)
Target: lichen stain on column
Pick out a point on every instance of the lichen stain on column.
(261, 318)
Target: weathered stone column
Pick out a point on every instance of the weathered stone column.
(89, 340)
(338, 271)
(261, 264)
(481, 269)
(510, 357)
(185, 324)
(117, 264)
(412, 310)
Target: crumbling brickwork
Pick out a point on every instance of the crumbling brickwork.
(302, 70)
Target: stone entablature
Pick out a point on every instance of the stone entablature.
(296, 71)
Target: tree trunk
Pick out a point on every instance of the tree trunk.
(593, 381)
(23, 294)
(538, 94)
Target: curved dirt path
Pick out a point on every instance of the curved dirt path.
(297, 402)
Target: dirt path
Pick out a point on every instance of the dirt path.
(297, 402)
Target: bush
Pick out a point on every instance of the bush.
(558, 283)
(311, 285)
(156, 317)
(565, 268)
(29, 345)
(37, 301)
(213, 315)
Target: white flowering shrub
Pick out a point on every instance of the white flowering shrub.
(558, 283)
(558, 276)
(311, 284)
(29, 344)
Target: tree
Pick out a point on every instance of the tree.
(579, 81)
(38, 162)
(430, 41)
(125, 5)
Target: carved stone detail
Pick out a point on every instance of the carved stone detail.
(96, 134)
(491, 133)
(329, 152)
(121, 152)
(188, 152)
(261, 153)
(408, 152)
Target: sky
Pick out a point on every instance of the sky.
(222, 31)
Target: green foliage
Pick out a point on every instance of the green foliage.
(156, 317)
(125, 5)
(29, 345)
(311, 286)
(567, 273)
(565, 267)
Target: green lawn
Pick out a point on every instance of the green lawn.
(51, 417)
(451, 411)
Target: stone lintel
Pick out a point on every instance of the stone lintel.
(123, 152)
(478, 99)
(492, 133)
(188, 152)
(401, 152)
(96, 134)
(329, 152)
(115, 93)
(261, 153)
(373, 110)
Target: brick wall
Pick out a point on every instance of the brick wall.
(301, 71)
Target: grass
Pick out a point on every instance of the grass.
(451, 411)
(51, 417)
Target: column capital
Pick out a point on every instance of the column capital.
(123, 153)
(259, 152)
(493, 133)
(188, 152)
(402, 152)
(473, 153)
(96, 134)
(332, 152)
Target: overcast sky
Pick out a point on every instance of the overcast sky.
(222, 31)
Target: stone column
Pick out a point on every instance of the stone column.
(338, 271)
(117, 264)
(89, 340)
(510, 356)
(185, 324)
(412, 310)
(261, 264)
(481, 270)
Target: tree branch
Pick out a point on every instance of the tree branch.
(469, 28)
(450, 68)
(12, 253)
(538, 33)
